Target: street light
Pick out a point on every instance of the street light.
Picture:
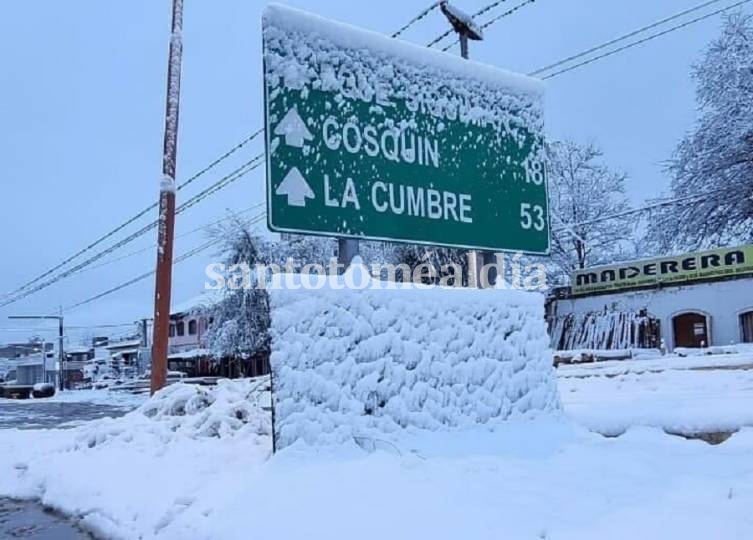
(463, 24)
(59, 318)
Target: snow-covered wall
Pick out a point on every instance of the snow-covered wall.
(367, 363)
(722, 303)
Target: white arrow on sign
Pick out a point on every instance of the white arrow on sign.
(294, 129)
(296, 188)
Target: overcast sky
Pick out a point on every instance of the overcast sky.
(83, 83)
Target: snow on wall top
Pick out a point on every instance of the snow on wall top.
(385, 67)
(349, 364)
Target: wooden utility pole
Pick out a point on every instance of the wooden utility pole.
(166, 229)
(466, 30)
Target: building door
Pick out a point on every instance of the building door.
(690, 330)
(746, 324)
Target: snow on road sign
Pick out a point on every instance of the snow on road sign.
(370, 137)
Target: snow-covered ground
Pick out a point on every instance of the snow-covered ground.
(196, 464)
(681, 395)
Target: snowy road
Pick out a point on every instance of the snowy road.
(43, 415)
(20, 519)
(24, 519)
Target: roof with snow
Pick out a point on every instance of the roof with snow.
(78, 349)
(204, 300)
(129, 344)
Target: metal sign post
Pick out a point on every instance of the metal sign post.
(467, 30)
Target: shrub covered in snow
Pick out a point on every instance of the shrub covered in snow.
(232, 407)
(359, 363)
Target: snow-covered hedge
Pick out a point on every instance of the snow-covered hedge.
(366, 363)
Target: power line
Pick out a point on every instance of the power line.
(146, 275)
(139, 215)
(623, 37)
(181, 235)
(488, 8)
(493, 20)
(220, 184)
(639, 210)
(481, 11)
(417, 18)
(644, 40)
(507, 13)
(141, 277)
(100, 326)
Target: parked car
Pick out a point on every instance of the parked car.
(43, 390)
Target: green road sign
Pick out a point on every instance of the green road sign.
(372, 138)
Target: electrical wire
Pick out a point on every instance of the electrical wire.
(146, 275)
(641, 41)
(623, 37)
(416, 19)
(490, 22)
(141, 277)
(181, 235)
(140, 214)
(220, 184)
(640, 210)
(133, 219)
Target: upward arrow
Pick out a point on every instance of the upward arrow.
(293, 128)
(296, 188)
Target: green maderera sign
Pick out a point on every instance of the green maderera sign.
(713, 264)
(373, 138)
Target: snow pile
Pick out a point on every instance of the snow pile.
(367, 363)
(191, 411)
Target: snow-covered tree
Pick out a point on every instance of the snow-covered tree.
(583, 191)
(240, 316)
(715, 159)
(436, 257)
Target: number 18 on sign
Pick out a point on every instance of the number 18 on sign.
(372, 138)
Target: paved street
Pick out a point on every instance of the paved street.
(21, 519)
(44, 415)
(25, 519)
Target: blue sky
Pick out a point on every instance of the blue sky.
(83, 82)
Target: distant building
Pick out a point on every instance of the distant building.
(74, 367)
(188, 347)
(124, 357)
(22, 350)
(189, 324)
(100, 341)
(26, 363)
(691, 300)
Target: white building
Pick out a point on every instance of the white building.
(188, 325)
(692, 300)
